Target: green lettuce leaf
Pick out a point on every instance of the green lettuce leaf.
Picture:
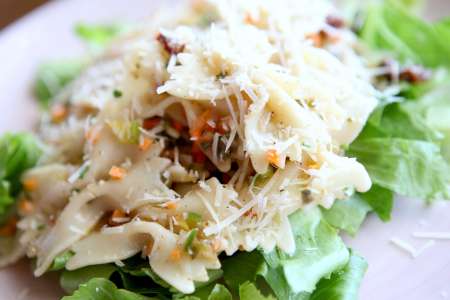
(319, 252)
(343, 284)
(53, 76)
(103, 289)
(242, 267)
(220, 292)
(433, 110)
(348, 214)
(18, 152)
(390, 26)
(5, 200)
(248, 291)
(381, 200)
(99, 35)
(72, 280)
(408, 167)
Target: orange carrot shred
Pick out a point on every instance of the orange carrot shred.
(58, 113)
(171, 205)
(92, 135)
(145, 144)
(273, 157)
(175, 255)
(30, 184)
(117, 173)
(26, 207)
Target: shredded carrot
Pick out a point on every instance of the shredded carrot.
(175, 255)
(30, 184)
(316, 38)
(273, 157)
(151, 123)
(200, 123)
(250, 213)
(249, 19)
(222, 127)
(92, 135)
(171, 205)
(58, 113)
(145, 144)
(26, 207)
(117, 173)
(10, 228)
(148, 247)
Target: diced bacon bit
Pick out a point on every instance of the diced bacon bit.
(118, 217)
(250, 213)
(179, 127)
(197, 154)
(171, 205)
(148, 247)
(222, 127)
(335, 21)
(117, 173)
(58, 113)
(92, 135)
(10, 228)
(414, 74)
(52, 219)
(151, 123)
(216, 245)
(175, 255)
(168, 45)
(25, 207)
(30, 184)
(273, 157)
(225, 178)
(145, 144)
(168, 153)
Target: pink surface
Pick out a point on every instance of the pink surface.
(47, 34)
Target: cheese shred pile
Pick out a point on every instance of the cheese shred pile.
(198, 134)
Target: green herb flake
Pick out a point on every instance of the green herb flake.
(117, 93)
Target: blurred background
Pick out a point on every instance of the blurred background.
(13, 9)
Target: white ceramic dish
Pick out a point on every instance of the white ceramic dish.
(47, 34)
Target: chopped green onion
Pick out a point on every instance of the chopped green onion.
(190, 239)
(260, 179)
(126, 132)
(84, 171)
(193, 219)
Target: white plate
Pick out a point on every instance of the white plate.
(47, 34)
